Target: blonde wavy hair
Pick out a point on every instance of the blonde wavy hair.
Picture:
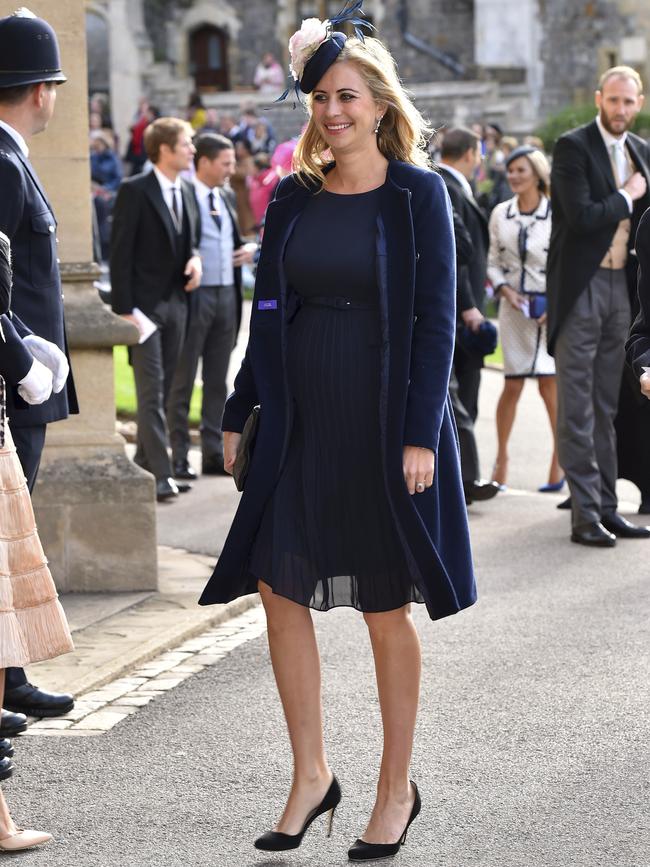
(403, 134)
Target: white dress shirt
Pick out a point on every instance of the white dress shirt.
(169, 189)
(16, 136)
(616, 151)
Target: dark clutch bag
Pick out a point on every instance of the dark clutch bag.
(245, 449)
(536, 304)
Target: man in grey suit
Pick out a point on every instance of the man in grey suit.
(215, 311)
(599, 189)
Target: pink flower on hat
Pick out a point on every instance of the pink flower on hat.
(304, 43)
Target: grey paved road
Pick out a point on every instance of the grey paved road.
(532, 746)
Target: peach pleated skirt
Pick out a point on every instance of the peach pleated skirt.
(33, 625)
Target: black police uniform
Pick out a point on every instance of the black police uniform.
(29, 54)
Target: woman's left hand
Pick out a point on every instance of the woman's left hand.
(542, 319)
(418, 465)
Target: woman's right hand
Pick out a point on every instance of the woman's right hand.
(230, 446)
(512, 297)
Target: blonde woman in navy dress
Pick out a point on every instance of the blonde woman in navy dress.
(520, 231)
(354, 495)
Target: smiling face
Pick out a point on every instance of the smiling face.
(344, 110)
(618, 102)
(179, 158)
(522, 177)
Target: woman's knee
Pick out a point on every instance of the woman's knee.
(546, 385)
(380, 622)
(513, 387)
(280, 611)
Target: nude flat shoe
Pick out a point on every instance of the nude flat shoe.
(24, 839)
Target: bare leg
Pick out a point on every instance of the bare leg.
(548, 391)
(7, 826)
(396, 649)
(296, 665)
(506, 411)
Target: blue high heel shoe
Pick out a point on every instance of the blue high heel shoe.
(552, 489)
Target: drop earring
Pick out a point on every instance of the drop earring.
(379, 120)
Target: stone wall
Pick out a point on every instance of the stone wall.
(447, 25)
(582, 39)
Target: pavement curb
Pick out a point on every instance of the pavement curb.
(127, 662)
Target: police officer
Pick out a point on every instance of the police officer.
(30, 70)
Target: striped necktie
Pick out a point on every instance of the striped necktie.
(214, 213)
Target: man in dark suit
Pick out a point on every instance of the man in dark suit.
(30, 70)
(599, 189)
(154, 264)
(638, 344)
(460, 156)
(215, 311)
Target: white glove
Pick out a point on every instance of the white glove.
(51, 356)
(36, 387)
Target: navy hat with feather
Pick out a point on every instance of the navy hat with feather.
(315, 47)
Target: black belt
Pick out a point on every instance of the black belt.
(336, 302)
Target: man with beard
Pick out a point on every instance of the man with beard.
(599, 190)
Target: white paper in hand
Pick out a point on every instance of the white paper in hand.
(147, 326)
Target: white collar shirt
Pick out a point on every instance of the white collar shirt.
(615, 147)
(460, 177)
(169, 189)
(16, 136)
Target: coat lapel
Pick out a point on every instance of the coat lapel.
(154, 192)
(233, 219)
(638, 160)
(599, 151)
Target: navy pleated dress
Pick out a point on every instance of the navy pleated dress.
(328, 536)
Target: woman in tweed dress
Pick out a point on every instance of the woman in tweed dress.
(520, 230)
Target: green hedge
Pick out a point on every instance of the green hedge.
(125, 402)
(576, 115)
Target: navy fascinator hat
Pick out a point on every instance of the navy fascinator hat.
(321, 61)
(315, 47)
(482, 342)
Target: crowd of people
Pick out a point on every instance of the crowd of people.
(355, 471)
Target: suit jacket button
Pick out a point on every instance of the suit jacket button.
(51, 228)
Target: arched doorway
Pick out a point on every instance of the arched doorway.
(97, 42)
(209, 58)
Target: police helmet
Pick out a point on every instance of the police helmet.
(29, 50)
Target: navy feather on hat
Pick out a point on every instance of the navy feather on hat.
(329, 44)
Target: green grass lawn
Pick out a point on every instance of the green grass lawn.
(125, 389)
(496, 357)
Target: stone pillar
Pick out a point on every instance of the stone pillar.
(507, 34)
(129, 53)
(95, 509)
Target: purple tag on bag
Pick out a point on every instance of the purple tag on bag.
(267, 305)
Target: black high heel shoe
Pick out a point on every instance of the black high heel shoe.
(362, 851)
(276, 841)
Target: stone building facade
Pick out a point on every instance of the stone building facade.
(512, 60)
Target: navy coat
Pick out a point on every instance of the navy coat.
(417, 287)
(26, 217)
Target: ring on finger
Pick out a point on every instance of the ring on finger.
(420, 487)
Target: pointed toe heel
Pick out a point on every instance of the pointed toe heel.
(552, 487)
(362, 851)
(276, 841)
